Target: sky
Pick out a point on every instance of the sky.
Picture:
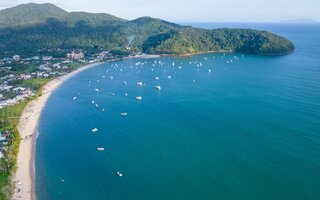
(192, 10)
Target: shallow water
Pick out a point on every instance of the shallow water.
(247, 130)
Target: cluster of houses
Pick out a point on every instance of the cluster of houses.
(18, 59)
(45, 67)
(4, 141)
(75, 56)
(21, 93)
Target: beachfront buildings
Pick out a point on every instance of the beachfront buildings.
(16, 58)
(21, 94)
(75, 56)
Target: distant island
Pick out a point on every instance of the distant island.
(31, 29)
(299, 21)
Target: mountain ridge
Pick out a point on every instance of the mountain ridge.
(300, 21)
(32, 13)
(29, 28)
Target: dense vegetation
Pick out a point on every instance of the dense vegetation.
(30, 28)
(32, 14)
(190, 40)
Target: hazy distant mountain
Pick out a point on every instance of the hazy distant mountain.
(28, 28)
(299, 21)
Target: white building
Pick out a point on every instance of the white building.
(16, 58)
(75, 56)
(46, 58)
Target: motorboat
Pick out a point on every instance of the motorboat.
(158, 87)
(124, 114)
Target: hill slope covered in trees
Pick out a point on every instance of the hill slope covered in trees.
(29, 28)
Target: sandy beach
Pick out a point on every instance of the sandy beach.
(28, 124)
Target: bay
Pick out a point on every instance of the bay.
(247, 130)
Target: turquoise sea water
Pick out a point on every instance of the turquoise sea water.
(249, 130)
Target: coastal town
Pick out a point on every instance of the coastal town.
(15, 70)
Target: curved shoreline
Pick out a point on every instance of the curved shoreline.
(23, 178)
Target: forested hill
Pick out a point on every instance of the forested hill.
(32, 14)
(29, 28)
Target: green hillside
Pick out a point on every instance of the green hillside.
(191, 40)
(28, 28)
(28, 14)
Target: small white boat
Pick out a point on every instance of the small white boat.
(119, 174)
(124, 82)
(209, 70)
(157, 78)
(92, 101)
(139, 98)
(94, 130)
(158, 87)
(139, 84)
(102, 110)
(97, 105)
(74, 98)
(100, 149)
(126, 94)
(169, 77)
(124, 114)
(97, 90)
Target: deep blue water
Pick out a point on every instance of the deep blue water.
(249, 130)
